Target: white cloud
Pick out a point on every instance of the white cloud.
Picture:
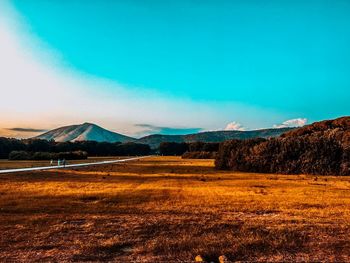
(234, 126)
(292, 123)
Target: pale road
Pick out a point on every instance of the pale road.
(67, 166)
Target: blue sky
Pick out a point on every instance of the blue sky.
(189, 64)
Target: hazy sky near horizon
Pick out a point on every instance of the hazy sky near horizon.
(139, 67)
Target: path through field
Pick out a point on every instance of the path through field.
(29, 169)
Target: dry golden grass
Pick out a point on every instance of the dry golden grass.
(169, 209)
(6, 164)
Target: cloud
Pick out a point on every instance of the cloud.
(292, 123)
(148, 129)
(26, 130)
(234, 126)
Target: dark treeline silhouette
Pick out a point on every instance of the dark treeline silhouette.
(24, 155)
(91, 147)
(201, 150)
(173, 148)
(8, 145)
(321, 148)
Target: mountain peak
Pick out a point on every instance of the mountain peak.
(84, 132)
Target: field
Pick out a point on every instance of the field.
(6, 164)
(166, 209)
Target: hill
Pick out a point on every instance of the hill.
(338, 128)
(212, 136)
(92, 132)
(320, 148)
(84, 132)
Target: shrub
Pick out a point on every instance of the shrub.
(307, 154)
(23, 155)
(199, 155)
(200, 150)
(173, 148)
(19, 155)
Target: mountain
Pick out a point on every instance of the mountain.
(84, 132)
(92, 132)
(212, 136)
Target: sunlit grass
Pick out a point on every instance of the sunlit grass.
(167, 208)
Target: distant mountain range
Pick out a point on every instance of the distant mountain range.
(212, 136)
(93, 132)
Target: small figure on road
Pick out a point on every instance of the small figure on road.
(64, 162)
(51, 162)
(58, 162)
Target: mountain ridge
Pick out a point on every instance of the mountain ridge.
(92, 132)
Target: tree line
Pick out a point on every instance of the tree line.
(308, 154)
(197, 150)
(321, 148)
(92, 148)
(24, 155)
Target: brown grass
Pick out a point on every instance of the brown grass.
(170, 209)
(8, 164)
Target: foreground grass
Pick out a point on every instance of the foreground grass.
(169, 209)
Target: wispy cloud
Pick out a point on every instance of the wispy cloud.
(298, 122)
(26, 130)
(152, 129)
(51, 93)
(234, 126)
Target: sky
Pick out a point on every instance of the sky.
(172, 67)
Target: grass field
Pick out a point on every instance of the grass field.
(6, 164)
(168, 209)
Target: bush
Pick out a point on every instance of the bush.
(132, 149)
(307, 154)
(199, 155)
(200, 150)
(203, 147)
(19, 155)
(92, 148)
(173, 148)
(23, 155)
(8, 145)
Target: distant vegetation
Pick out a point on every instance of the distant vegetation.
(321, 148)
(23, 155)
(36, 148)
(173, 148)
(196, 150)
(155, 140)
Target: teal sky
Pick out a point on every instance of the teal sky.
(258, 63)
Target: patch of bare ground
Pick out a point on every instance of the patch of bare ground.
(166, 209)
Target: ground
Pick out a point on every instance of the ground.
(6, 164)
(166, 209)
